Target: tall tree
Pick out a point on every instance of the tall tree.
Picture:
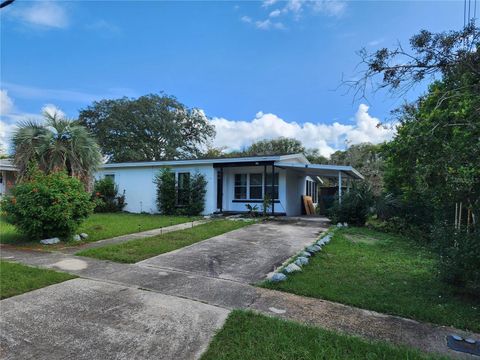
(152, 127)
(54, 145)
(278, 146)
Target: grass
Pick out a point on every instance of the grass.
(385, 273)
(137, 250)
(247, 335)
(16, 279)
(103, 226)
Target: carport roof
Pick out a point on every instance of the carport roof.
(321, 170)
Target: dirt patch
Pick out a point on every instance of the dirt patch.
(361, 239)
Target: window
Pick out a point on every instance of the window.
(240, 186)
(183, 188)
(311, 190)
(110, 176)
(256, 185)
(269, 186)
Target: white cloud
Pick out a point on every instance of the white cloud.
(268, 24)
(375, 42)
(275, 13)
(53, 110)
(6, 103)
(267, 3)
(246, 19)
(330, 7)
(234, 135)
(46, 14)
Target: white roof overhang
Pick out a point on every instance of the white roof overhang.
(314, 170)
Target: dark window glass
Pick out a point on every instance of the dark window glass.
(110, 176)
(240, 186)
(256, 185)
(275, 186)
(183, 191)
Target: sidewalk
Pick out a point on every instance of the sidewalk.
(228, 294)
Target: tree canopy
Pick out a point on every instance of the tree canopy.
(151, 127)
(55, 145)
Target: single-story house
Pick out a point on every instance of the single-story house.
(8, 174)
(232, 183)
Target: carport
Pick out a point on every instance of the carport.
(338, 172)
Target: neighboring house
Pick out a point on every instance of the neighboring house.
(232, 183)
(8, 174)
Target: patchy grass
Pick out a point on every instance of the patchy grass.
(385, 273)
(137, 250)
(103, 226)
(16, 279)
(247, 335)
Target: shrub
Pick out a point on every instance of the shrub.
(459, 257)
(191, 196)
(105, 196)
(46, 206)
(166, 191)
(355, 206)
(198, 188)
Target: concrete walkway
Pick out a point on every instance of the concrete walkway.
(204, 300)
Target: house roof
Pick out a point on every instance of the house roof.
(243, 159)
(302, 165)
(318, 170)
(7, 165)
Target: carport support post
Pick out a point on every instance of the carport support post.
(339, 187)
(272, 192)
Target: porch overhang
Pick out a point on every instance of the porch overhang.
(318, 170)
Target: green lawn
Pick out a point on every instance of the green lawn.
(386, 273)
(136, 250)
(246, 335)
(17, 279)
(104, 226)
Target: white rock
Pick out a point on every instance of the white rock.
(345, 224)
(305, 254)
(301, 260)
(292, 268)
(77, 238)
(277, 277)
(339, 225)
(50, 241)
(84, 235)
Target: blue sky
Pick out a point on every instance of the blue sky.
(259, 69)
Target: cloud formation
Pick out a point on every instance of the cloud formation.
(47, 14)
(235, 135)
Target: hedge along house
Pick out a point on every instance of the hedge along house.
(232, 183)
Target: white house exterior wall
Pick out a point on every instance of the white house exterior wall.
(140, 191)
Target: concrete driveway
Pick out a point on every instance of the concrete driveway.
(86, 319)
(245, 255)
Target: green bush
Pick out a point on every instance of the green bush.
(189, 200)
(459, 257)
(105, 196)
(166, 191)
(355, 206)
(47, 206)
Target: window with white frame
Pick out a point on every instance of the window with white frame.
(256, 187)
(269, 186)
(240, 192)
(311, 190)
(183, 192)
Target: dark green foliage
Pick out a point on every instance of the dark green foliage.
(166, 191)
(185, 198)
(152, 127)
(57, 144)
(354, 207)
(459, 257)
(46, 206)
(105, 196)
(197, 189)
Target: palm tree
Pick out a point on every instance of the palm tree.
(55, 145)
